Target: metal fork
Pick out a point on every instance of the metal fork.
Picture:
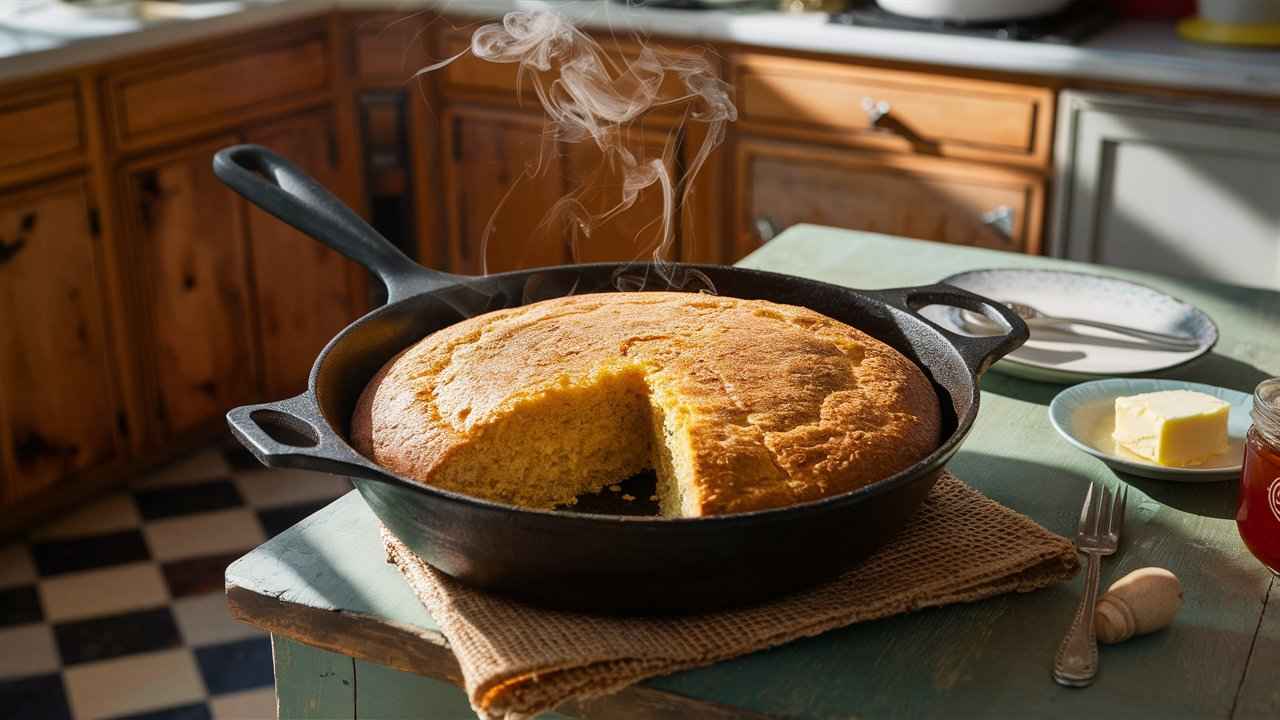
(1101, 520)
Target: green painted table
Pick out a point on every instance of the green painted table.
(351, 641)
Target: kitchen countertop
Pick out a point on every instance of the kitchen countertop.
(1147, 53)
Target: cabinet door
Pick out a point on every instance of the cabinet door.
(499, 163)
(634, 233)
(305, 292)
(782, 184)
(1172, 188)
(188, 230)
(56, 387)
(500, 183)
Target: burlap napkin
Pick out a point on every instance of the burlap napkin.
(519, 660)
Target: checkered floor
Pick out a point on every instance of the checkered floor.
(117, 611)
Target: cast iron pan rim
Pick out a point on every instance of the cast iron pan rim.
(932, 461)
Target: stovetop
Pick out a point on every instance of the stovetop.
(1069, 27)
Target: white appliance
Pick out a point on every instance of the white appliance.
(1169, 186)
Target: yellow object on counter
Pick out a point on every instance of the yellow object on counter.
(1201, 30)
(1177, 428)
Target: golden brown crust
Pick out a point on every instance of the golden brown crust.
(782, 404)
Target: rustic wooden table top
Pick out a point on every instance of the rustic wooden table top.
(324, 583)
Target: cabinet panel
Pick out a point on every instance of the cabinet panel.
(389, 47)
(56, 385)
(40, 127)
(177, 98)
(1173, 188)
(188, 230)
(305, 292)
(634, 233)
(494, 156)
(782, 184)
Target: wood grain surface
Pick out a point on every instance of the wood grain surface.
(56, 389)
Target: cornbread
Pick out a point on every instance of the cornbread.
(1178, 428)
(737, 405)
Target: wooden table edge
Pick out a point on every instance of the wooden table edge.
(425, 652)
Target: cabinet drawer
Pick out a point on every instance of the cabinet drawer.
(926, 113)
(783, 184)
(40, 127)
(216, 89)
(389, 48)
(469, 73)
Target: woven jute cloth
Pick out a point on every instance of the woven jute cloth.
(519, 660)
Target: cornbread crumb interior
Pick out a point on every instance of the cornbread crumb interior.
(736, 404)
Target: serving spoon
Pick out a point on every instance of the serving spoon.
(1034, 317)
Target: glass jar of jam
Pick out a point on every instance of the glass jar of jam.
(1258, 516)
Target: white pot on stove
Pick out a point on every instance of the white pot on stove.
(974, 10)
(1241, 12)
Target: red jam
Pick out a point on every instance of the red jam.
(1258, 516)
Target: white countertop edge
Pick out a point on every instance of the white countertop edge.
(89, 51)
(1131, 52)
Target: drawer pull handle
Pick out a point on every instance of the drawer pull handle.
(766, 229)
(999, 219)
(876, 110)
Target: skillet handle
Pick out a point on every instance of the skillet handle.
(291, 434)
(282, 189)
(979, 352)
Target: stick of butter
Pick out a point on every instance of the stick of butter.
(1174, 427)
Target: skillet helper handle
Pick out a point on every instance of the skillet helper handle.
(979, 352)
(291, 434)
(282, 189)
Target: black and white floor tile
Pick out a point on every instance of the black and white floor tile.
(117, 610)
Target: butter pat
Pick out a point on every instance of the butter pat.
(1174, 427)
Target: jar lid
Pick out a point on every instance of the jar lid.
(1266, 407)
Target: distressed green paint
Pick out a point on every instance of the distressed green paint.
(1260, 693)
(387, 693)
(311, 683)
(986, 659)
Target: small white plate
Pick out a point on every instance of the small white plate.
(1085, 416)
(1084, 353)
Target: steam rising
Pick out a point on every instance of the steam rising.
(591, 97)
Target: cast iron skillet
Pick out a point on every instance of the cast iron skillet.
(581, 560)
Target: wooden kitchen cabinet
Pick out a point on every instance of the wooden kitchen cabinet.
(305, 293)
(223, 83)
(59, 411)
(499, 161)
(494, 162)
(780, 184)
(40, 129)
(634, 233)
(190, 260)
(1174, 187)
